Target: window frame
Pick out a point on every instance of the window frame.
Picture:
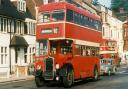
(86, 21)
(41, 17)
(3, 55)
(21, 5)
(58, 11)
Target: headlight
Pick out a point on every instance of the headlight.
(57, 66)
(38, 67)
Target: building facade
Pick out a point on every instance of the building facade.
(17, 37)
(112, 28)
(125, 37)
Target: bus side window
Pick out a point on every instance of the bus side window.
(93, 52)
(76, 49)
(88, 52)
(84, 51)
(101, 56)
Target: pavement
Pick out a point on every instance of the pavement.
(13, 78)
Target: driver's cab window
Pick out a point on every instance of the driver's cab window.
(53, 47)
(66, 47)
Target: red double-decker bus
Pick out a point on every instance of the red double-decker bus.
(108, 49)
(109, 54)
(68, 41)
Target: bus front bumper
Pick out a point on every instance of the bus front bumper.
(48, 75)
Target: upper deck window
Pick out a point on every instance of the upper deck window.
(80, 19)
(44, 17)
(58, 15)
(69, 15)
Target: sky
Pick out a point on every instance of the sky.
(105, 2)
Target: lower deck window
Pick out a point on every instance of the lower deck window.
(83, 50)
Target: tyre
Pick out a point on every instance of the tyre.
(68, 80)
(96, 75)
(39, 82)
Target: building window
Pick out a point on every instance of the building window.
(25, 55)
(30, 28)
(12, 25)
(3, 55)
(3, 24)
(9, 25)
(21, 5)
(18, 27)
(0, 24)
(22, 28)
(31, 53)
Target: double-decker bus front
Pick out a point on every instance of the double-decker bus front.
(109, 56)
(64, 50)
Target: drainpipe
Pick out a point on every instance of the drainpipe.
(10, 49)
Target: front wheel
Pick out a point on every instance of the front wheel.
(68, 80)
(39, 82)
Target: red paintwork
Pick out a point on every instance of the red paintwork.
(87, 34)
(83, 65)
(105, 47)
(65, 5)
(40, 36)
(71, 31)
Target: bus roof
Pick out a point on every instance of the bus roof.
(65, 5)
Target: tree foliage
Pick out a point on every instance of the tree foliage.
(95, 2)
(117, 4)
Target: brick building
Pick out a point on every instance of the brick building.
(125, 37)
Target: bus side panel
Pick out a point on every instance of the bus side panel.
(82, 33)
(84, 66)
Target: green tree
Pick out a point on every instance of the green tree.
(117, 4)
(95, 2)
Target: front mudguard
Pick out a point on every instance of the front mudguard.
(38, 73)
(65, 69)
(63, 72)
